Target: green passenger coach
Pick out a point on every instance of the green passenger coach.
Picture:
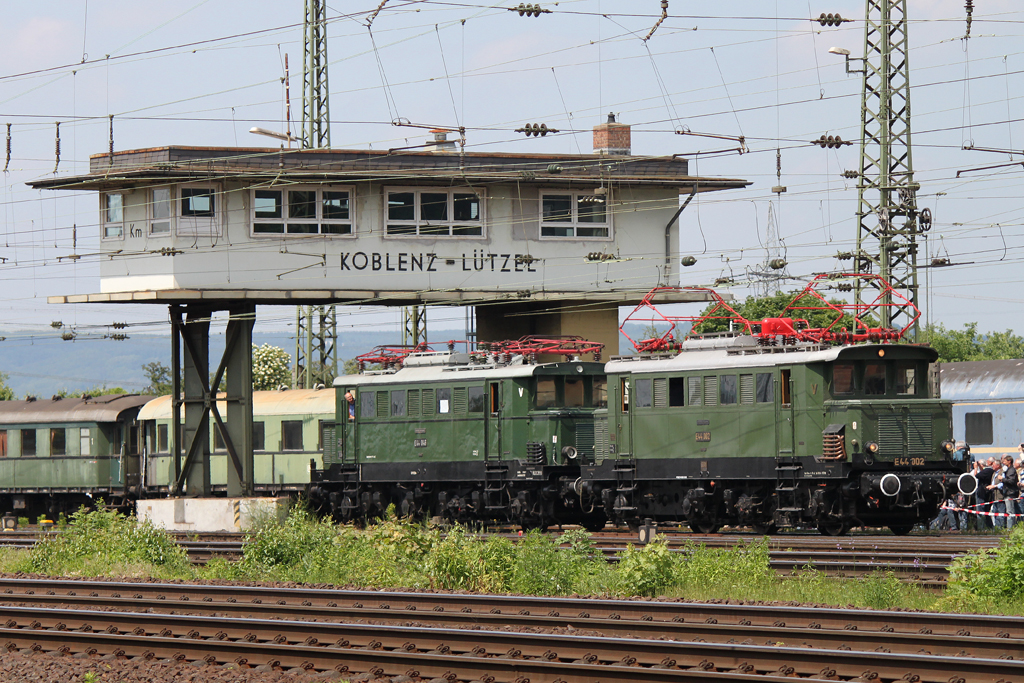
(61, 453)
(733, 431)
(465, 437)
(288, 432)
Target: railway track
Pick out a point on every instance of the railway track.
(504, 638)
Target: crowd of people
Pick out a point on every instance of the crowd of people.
(998, 493)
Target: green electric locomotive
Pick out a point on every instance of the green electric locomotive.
(775, 426)
(482, 436)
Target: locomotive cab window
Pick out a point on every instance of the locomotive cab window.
(625, 395)
(444, 401)
(547, 396)
(842, 379)
(367, 404)
(906, 379)
(765, 389)
(495, 400)
(600, 392)
(874, 379)
(643, 393)
(785, 388)
(676, 393)
(574, 393)
(727, 389)
(398, 403)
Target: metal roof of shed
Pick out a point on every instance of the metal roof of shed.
(56, 411)
(982, 380)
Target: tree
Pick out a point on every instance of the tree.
(967, 344)
(159, 376)
(270, 367)
(6, 393)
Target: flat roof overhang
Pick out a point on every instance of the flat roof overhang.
(229, 298)
(144, 167)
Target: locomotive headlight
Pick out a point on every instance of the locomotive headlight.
(948, 446)
(871, 447)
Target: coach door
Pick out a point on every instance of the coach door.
(784, 428)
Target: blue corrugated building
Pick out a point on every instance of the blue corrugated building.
(988, 404)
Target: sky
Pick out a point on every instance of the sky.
(203, 73)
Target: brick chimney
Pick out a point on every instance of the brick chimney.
(612, 138)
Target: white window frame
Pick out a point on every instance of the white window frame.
(199, 226)
(107, 226)
(575, 224)
(151, 211)
(319, 220)
(451, 223)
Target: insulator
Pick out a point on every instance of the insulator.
(830, 19)
(844, 287)
(8, 162)
(851, 174)
(119, 326)
(689, 261)
(844, 255)
(554, 169)
(68, 336)
(530, 10)
(937, 262)
(777, 263)
(119, 337)
(56, 324)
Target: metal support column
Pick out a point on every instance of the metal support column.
(887, 193)
(414, 325)
(316, 346)
(316, 111)
(195, 334)
(238, 364)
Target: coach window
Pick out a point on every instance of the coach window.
(574, 393)
(58, 441)
(874, 379)
(978, 428)
(85, 441)
(643, 393)
(162, 442)
(259, 436)
(676, 392)
(765, 389)
(600, 397)
(444, 401)
(367, 404)
(28, 442)
(546, 392)
(906, 379)
(3, 443)
(291, 435)
(476, 399)
(218, 439)
(842, 379)
(727, 389)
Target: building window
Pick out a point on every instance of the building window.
(160, 211)
(978, 428)
(291, 435)
(433, 212)
(58, 441)
(198, 213)
(112, 215)
(28, 442)
(574, 214)
(302, 211)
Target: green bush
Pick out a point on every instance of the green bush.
(882, 590)
(109, 543)
(647, 571)
(988, 574)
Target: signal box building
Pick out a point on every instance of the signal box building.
(540, 243)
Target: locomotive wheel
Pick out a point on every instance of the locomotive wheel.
(593, 523)
(900, 529)
(765, 528)
(704, 526)
(833, 528)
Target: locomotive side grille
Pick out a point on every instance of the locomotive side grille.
(746, 389)
(601, 437)
(427, 403)
(330, 444)
(660, 392)
(412, 403)
(891, 435)
(711, 391)
(585, 439)
(460, 399)
(383, 404)
(919, 434)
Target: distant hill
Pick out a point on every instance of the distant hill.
(44, 366)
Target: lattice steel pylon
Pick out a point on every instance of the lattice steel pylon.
(414, 325)
(316, 327)
(887, 193)
(316, 110)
